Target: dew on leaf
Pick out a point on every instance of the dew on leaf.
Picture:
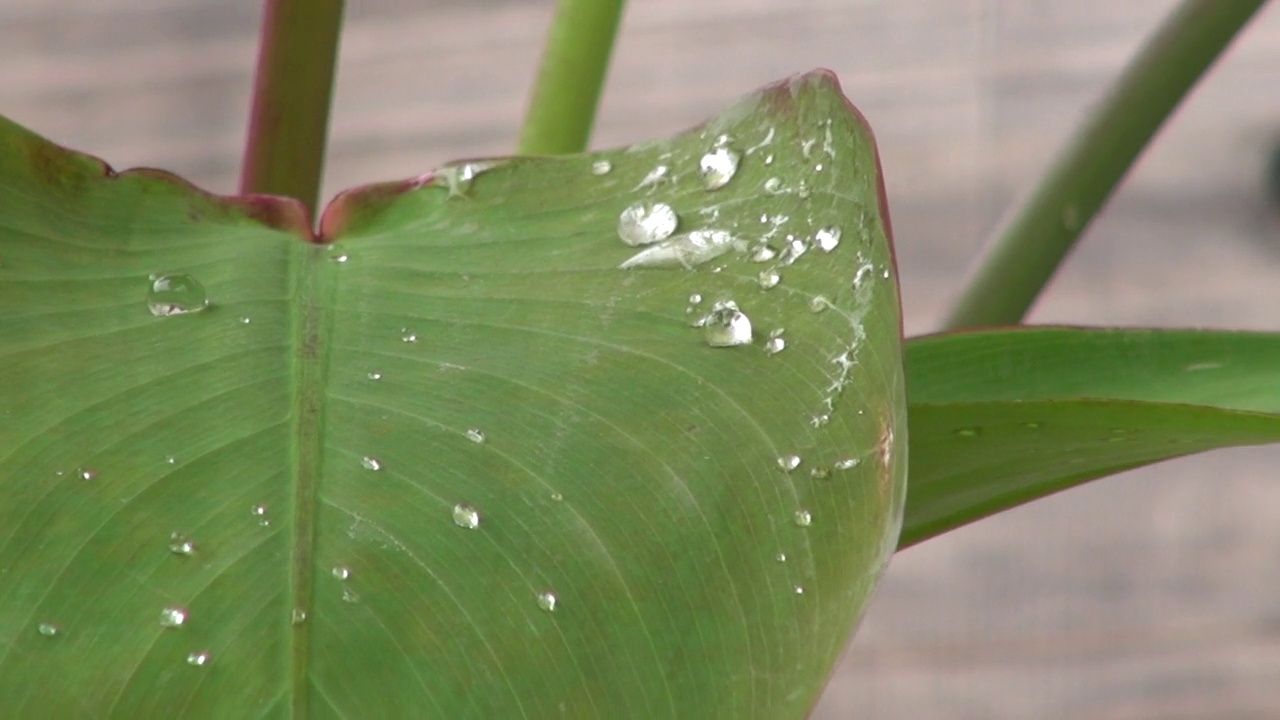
(968, 432)
(85, 473)
(646, 223)
(687, 250)
(718, 167)
(340, 572)
(175, 295)
(768, 279)
(726, 325)
(780, 557)
(298, 616)
(475, 435)
(370, 463)
(173, 617)
(408, 336)
(199, 658)
(547, 600)
(803, 518)
(601, 167)
(465, 516)
(818, 303)
(48, 629)
(763, 253)
(180, 544)
(789, 462)
(819, 472)
(827, 238)
(845, 464)
(773, 186)
(775, 345)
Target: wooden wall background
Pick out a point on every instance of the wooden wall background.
(1152, 595)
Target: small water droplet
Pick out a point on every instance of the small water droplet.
(374, 376)
(780, 557)
(86, 473)
(768, 279)
(789, 462)
(845, 464)
(370, 463)
(968, 432)
(820, 420)
(199, 658)
(339, 257)
(818, 303)
(803, 518)
(655, 176)
(798, 589)
(827, 239)
(547, 601)
(768, 159)
(557, 496)
(245, 320)
(1033, 425)
(173, 617)
(774, 345)
(802, 190)
(726, 325)
(180, 544)
(475, 435)
(718, 167)
(170, 459)
(601, 167)
(176, 295)
(819, 472)
(48, 629)
(350, 596)
(465, 516)
(408, 336)
(794, 248)
(647, 223)
(260, 512)
(695, 299)
(763, 253)
(298, 616)
(341, 572)
(773, 186)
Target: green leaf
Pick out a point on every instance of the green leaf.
(1001, 418)
(326, 432)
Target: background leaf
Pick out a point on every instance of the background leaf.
(457, 464)
(1000, 418)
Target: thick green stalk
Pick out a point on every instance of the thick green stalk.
(1037, 236)
(567, 92)
(289, 122)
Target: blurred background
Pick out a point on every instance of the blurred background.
(1155, 594)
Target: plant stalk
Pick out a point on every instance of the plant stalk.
(1035, 238)
(293, 87)
(574, 63)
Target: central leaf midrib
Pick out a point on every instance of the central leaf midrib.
(311, 292)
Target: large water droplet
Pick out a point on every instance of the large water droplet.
(601, 167)
(173, 617)
(726, 325)
(199, 658)
(789, 462)
(803, 518)
(176, 295)
(768, 279)
(547, 601)
(370, 463)
(475, 435)
(647, 223)
(687, 250)
(341, 572)
(48, 629)
(718, 167)
(465, 516)
(827, 238)
(180, 544)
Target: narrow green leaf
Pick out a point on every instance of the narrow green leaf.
(1001, 418)
(456, 463)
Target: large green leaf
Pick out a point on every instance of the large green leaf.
(1003, 417)
(458, 464)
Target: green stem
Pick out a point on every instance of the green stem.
(567, 91)
(289, 122)
(1036, 238)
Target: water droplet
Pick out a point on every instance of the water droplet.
(170, 460)
(465, 516)
(802, 190)
(350, 596)
(341, 572)
(794, 248)
(773, 186)
(968, 432)
(780, 557)
(339, 257)
(557, 496)
(803, 518)
(86, 473)
(827, 238)
(176, 295)
(180, 544)
(172, 617)
(695, 299)
(408, 336)
(819, 472)
(48, 629)
(789, 462)
(601, 167)
(726, 325)
(370, 463)
(845, 464)
(374, 376)
(260, 512)
(768, 279)
(199, 658)
(774, 345)
(245, 320)
(820, 420)
(547, 601)
(1033, 425)
(687, 250)
(763, 253)
(475, 435)
(654, 177)
(768, 159)
(798, 589)
(718, 167)
(298, 616)
(818, 303)
(647, 223)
